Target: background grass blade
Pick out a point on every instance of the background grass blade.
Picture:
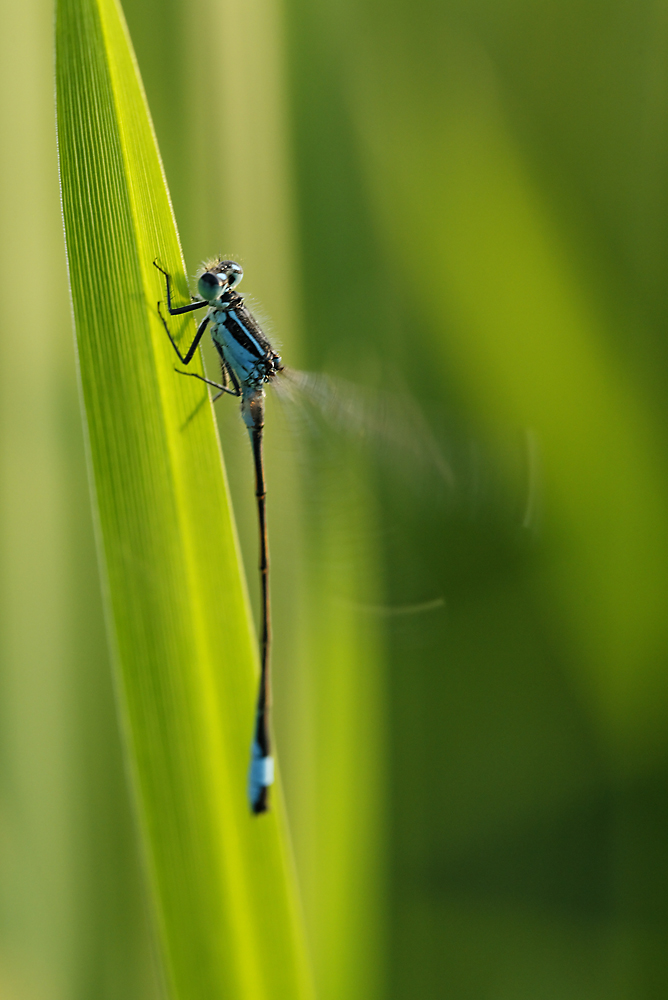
(70, 888)
(177, 608)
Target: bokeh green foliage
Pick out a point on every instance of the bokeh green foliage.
(469, 200)
(507, 184)
(72, 915)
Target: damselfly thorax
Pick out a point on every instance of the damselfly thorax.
(240, 342)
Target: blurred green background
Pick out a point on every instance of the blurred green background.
(466, 203)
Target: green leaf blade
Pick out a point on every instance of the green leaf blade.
(177, 607)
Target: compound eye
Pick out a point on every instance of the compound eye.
(234, 273)
(211, 286)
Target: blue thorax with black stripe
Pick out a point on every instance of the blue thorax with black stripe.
(240, 341)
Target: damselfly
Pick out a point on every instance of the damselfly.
(248, 362)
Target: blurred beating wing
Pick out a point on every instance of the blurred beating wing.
(392, 421)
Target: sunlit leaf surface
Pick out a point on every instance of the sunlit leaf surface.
(177, 609)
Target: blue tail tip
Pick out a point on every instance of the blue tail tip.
(260, 778)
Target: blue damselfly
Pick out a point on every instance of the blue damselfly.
(247, 362)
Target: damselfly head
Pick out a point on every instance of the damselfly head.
(228, 270)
